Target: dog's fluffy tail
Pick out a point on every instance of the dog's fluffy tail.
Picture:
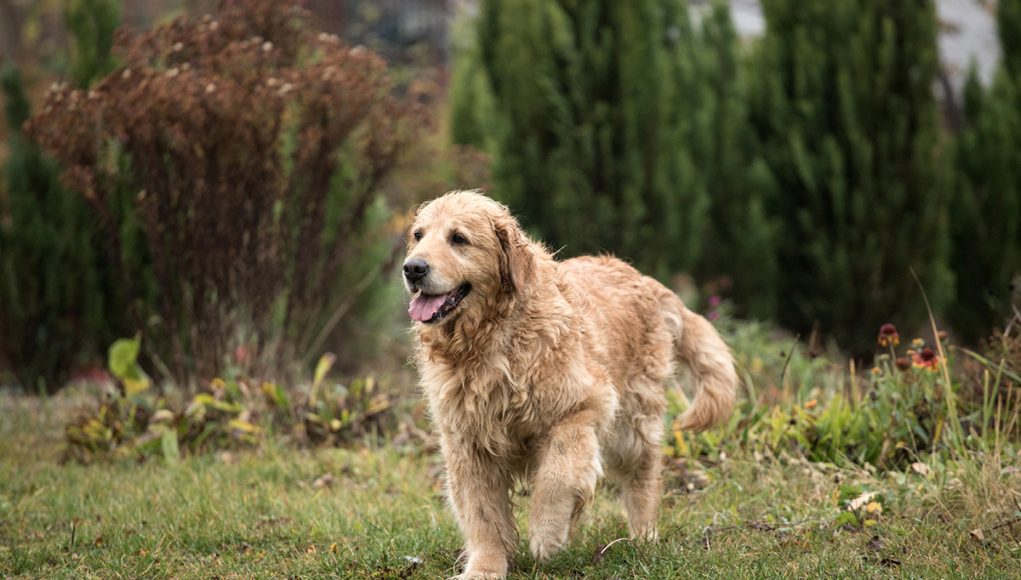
(700, 348)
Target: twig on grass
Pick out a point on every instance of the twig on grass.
(607, 546)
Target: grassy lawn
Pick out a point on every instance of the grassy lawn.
(379, 513)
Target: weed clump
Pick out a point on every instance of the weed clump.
(132, 422)
(917, 400)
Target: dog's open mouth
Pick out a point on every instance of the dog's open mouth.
(430, 308)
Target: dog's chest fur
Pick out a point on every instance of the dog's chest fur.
(502, 399)
(481, 401)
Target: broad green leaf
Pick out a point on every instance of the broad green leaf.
(226, 407)
(123, 358)
(322, 367)
(846, 519)
(171, 452)
(135, 386)
(204, 399)
(123, 363)
(276, 395)
(243, 426)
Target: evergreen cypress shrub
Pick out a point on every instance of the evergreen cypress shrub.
(591, 114)
(92, 24)
(59, 305)
(987, 207)
(845, 120)
(53, 311)
(742, 240)
(1008, 20)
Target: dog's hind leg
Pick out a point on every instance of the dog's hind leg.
(564, 482)
(635, 465)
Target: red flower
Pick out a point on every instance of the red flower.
(888, 335)
(926, 359)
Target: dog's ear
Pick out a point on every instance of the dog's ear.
(516, 258)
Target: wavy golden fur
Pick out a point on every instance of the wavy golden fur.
(548, 372)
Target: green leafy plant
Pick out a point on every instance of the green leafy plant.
(917, 401)
(134, 422)
(123, 363)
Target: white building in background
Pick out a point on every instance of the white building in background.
(968, 35)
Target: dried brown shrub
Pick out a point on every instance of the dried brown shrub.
(254, 148)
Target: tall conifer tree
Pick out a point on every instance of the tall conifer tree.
(847, 124)
(987, 214)
(590, 111)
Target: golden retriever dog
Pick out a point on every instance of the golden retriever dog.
(548, 372)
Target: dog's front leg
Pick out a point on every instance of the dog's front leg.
(564, 483)
(479, 491)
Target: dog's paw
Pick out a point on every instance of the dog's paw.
(481, 566)
(646, 534)
(547, 543)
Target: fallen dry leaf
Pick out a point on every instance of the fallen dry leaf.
(978, 534)
(323, 481)
(861, 501)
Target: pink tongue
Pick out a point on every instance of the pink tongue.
(424, 307)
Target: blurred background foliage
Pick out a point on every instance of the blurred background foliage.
(231, 180)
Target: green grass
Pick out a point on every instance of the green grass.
(260, 513)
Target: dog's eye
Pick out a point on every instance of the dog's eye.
(417, 235)
(458, 240)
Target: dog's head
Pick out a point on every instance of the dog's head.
(465, 253)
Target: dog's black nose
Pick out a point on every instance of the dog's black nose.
(415, 269)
